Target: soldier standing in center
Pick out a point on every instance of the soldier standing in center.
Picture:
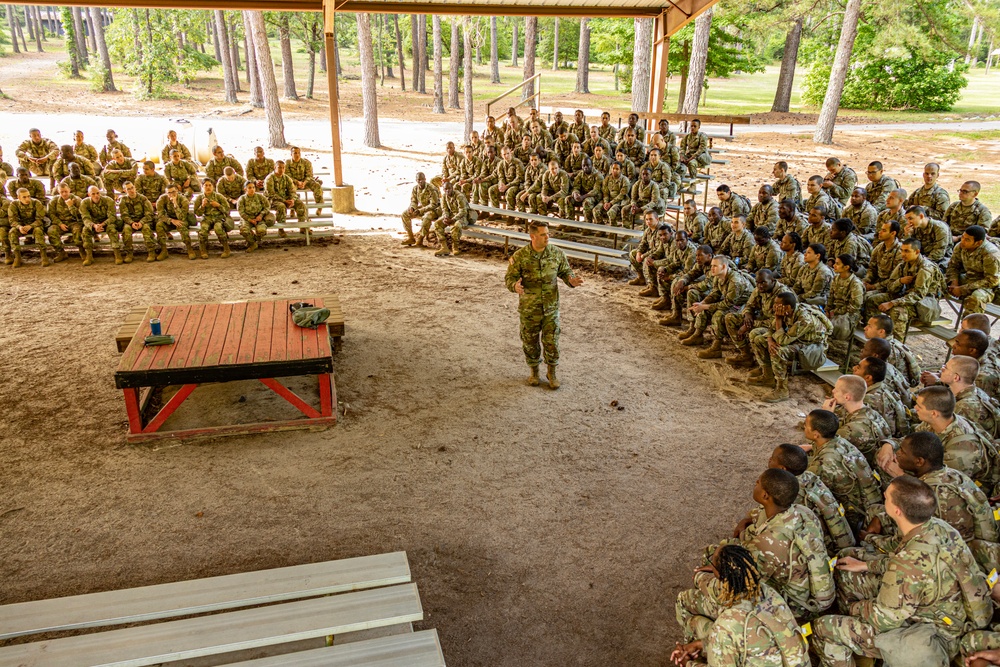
(532, 274)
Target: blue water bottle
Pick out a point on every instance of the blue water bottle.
(154, 327)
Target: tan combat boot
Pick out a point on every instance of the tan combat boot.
(697, 338)
(550, 373)
(713, 352)
(61, 256)
(742, 360)
(420, 241)
(687, 333)
(754, 373)
(45, 256)
(118, 257)
(252, 246)
(150, 255)
(663, 303)
(88, 257)
(191, 253)
(780, 392)
(675, 319)
(650, 291)
(17, 257)
(409, 240)
(225, 247)
(638, 280)
(8, 256)
(443, 250)
(533, 380)
(282, 234)
(203, 249)
(455, 250)
(128, 256)
(765, 379)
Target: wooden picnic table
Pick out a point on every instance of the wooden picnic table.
(227, 342)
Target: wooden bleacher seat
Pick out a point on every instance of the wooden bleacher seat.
(508, 237)
(416, 649)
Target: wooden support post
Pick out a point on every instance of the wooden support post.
(658, 75)
(329, 18)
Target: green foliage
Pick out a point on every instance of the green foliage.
(569, 39)
(729, 51)
(70, 69)
(95, 78)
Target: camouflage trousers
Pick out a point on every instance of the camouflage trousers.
(14, 235)
(74, 229)
(541, 207)
(316, 188)
(665, 280)
(147, 235)
(694, 293)
(979, 640)
(452, 231)
(843, 330)
(696, 612)
(221, 228)
(468, 189)
(837, 639)
(113, 182)
(717, 319)
(902, 315)
(165, 228)
(612, 216)
(281, 211)
(630, 220)
(427, 219)
(43, 169)
(700, 160)
(256, 231)
(509, 195)
(539, 332)
(809, 355)
(977, 301)
(482, 192)
(734, 322)
(114, 231)
(568, 207)
(525, 202)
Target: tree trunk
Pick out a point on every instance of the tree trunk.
(287, 67)
(13, 31)
(783, 94)
(70, 31)
(968, 51)
(322, 54)
(438, 65)
(415, 52)
(313, 29)
(583, 58)
(216, 40)
(31, 27)
(20, 32)
(108, 85)
(424, 43)
(268, 84)
(399, 52)
(555, 46)
(235, 49)
(148, 66)
(467, 80)
(379, 64)
(222, 32)
(136, 34)
(253, 72)
(81, 35)
(685, 63)
(369, 101)
(38, 27)
(453, 67)
(642, 59)
(838, 74)
(91, 32)
(494, 56)
(530, 46)
(513, 42)
(699, 59)
(989, 55)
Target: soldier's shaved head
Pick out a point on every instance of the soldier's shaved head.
(925, 445)
(977, 321)
(972, 185)
(824, 422)
(781, 485)
(967, 368)
(832, 162)
(853, 386)
(914, 498)
(938, 399)
(790, 457)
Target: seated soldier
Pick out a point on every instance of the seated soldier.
(653, 261)
(815, 495)
(895, 382)
(819, 197)
(839, 181)
(733, 617)
(487, 176)
(585, 193)
(594, 140)
(663, 129)
(885, 257)
(27, 218)
(182, 173)
(554, 186)
(812, 283)
(541, 140)
(967, 447)
(150, 184)
(989, 361)
(214, 211)
(661, 174)
(731, 203)
(508, 176)
(60, 168)
(629, 169)
(465, 176)
(100, 217)
(77, 182)
(690, 287)
(860, 425)
(879, 185)
(492, 132)
(615, 195)
(558, 124)
(730, 291)
(280, 189)
(260, 167)
(645, 197)
(905, 363)
(113, 143)
(972, 342)
(740, 243)
(786, 541)
(632, 124)
(255, 215)
(792, 260)
(818, 229)
(908, 606)
(231, 186)
(959, 374)
(756, 313)
(572, 164)
(934, 237)
(301, 171)
(694, 149)
(5, 167)
(602, 160)
(913, 292)
(137, 216)
(531, 183)
(579, 126)
(118, 170)
(649, 244)
(455, 214)
(879, 398)
(174, 145)
(786, 186)
(716, 229)
(765, 254)
(799, 332)
(765, 212)
(607, 131)
(632, 148)
(216, 168)
(82, 149)
(26, 182)
(678, 259)
(973, 273)
(861, 213)
(843, 306)
(173, 212)
(967, 211)
(844, 241)
(894, 209)
(424, 204)
(37, 154)
(478, 147)
(790, 220)
(523, 150)
(695, 221)
(64, 212)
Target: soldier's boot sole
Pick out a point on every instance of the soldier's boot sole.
(533, 380)
(118, 258)
(409, 241)
(61, 256)
(550, 374)
(650, 291)
(442, 252)
(150, 257)
(420, 241)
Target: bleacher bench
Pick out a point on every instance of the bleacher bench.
(314, 601)
(581, 251)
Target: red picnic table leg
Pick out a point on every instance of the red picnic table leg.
(326, 399)
(168, 409)
(132, 408)
(287, 394)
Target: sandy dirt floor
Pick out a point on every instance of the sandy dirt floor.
(543, 528)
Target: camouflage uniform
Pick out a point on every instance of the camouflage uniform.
(716, 232)
(802, 337)
(531, 185)
(628, 169)
(650, 247)
(88, 152)
(761, 305)
(467, 171)
(151, 187)
(887, 404)
(915, 591)
(926, 290)
(697, 281)
(844, 183)
(897, 384)
(977, 407)
(80, 186)
(581, 130)
(864, 217)
(736, 205)
(487, 177)
(968, 449)
(843, 307)
(456, 208)
(695, 147)
(865, 429)
(257, 206)
(102, 213)
(541, 142)
(562, 150)
(279, 189)
(788, 188)
(935, 241)
(695, 225)
(646, 196)
(509, 173)
(23, 215)
(179, 147)
(588, 146)
(640, 133)
(739, 248)
(539, 305)
(213, 219)
(847, 474)
(166, 211)
(726, 297)
(105, 156)
(883, 260)
(302, 170)
(60, 168)
(903, 360)
(614, 191)
(675, 263)
(664, 177)
(934, 199)
(181, 172)
(259, 170)
(45, 148)
(230, 189)
(603, 165)
(589, 187)
(854, 245)
(878, 191)
(813, 284)
(766, 256)
(815, 495)
(959, 217)
(425, 202)
(522, 154)
(635, 152)
(798, 224)
(763, 214)
(791, 266)
(34, 188)
(833, 206)
(978, 274)
(817, 234)
(115, 174)
(609, 134)
(65, 212)
(216, 168)
(136, 209)
(552, 185)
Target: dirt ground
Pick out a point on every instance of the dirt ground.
(543, 528)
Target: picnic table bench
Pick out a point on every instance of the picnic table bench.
(329, 599)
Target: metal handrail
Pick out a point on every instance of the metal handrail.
(537, 96)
